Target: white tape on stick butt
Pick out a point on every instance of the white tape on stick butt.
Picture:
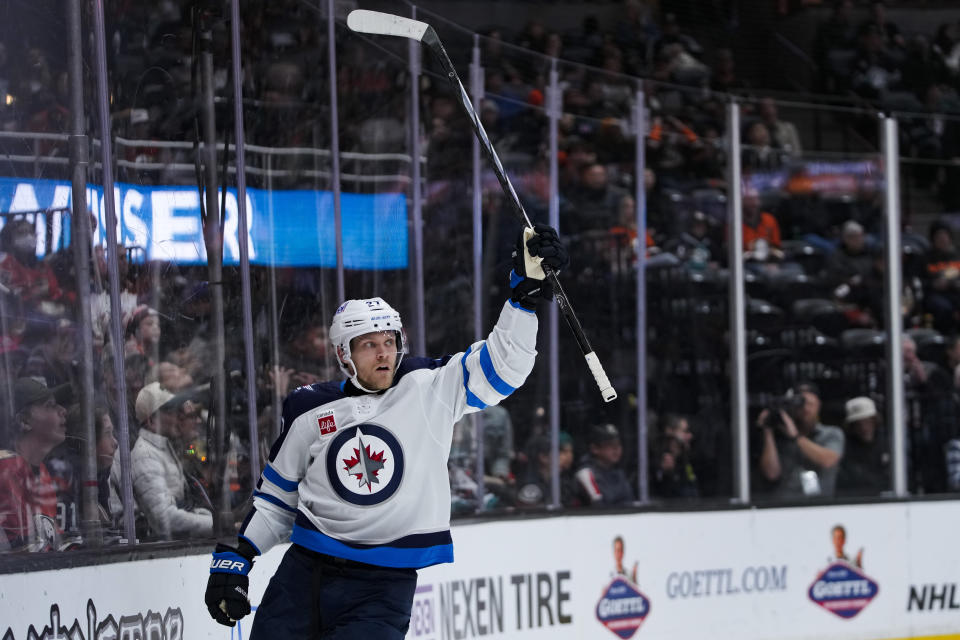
(606, 389)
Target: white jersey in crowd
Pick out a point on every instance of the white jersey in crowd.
(363, 476)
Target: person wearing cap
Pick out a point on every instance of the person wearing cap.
(864, 470)
(600, 479)
(799, 444)
(159, 482)
(535, 485)
(28, 493)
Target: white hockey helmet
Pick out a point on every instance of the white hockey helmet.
(358, 317)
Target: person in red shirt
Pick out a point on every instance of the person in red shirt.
(22, 274)
(761, 231)
(28, 494)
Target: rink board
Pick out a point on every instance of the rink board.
(731, 574)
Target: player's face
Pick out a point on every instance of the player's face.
(375, 358)
(618, 551)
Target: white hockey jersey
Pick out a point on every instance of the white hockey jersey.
(363, 475)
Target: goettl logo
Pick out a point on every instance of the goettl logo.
(622, 607)
(843, 588)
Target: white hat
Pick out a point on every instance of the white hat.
(860, 408)
(151, 399)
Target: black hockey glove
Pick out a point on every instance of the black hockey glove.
(226, 595)
(528, 281)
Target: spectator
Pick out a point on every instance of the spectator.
(800, 455)
(100, 302)
(724, 76)
(784, 134)
(761, 231)
(159, 482)
(535, 485)
(915, 371)
(673, 144)
(674, 476)
(600, 479)
(942, 278)
(947, 45)
(759, 154)
(597, 203)
(498, 452)
(695, 246)
(28, 494)
(864, 469)
(852, 262)
(106, 450)
(875, 70)
(65, 464)
(142, 331)
(892, 39)
(55, 357)
(23, 275)
(838, 32)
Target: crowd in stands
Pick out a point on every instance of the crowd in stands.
(812, 238)
(861, 52)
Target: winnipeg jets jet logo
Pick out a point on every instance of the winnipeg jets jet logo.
(365, 464)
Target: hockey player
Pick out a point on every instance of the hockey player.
(357, 480)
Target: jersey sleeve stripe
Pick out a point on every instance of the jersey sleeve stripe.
(498, 383)
(274, 476)
(274, 500)
(472, 399)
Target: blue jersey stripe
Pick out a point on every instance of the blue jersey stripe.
(275, 500)
(517, 305)
(383, 556)
(472, 400)
(498, 383)
(414, 540)
(274, 476)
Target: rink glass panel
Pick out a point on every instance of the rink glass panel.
(815, 304)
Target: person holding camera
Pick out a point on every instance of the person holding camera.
(800, 455)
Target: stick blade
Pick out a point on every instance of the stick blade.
(386, 24)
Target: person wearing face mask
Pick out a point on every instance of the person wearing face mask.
(22, 274)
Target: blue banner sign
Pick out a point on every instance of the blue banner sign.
(286, 228)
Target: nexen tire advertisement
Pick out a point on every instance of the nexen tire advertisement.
(874, 572)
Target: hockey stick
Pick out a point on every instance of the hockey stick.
(385, 24)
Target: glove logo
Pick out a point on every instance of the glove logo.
(225, 564)
(365, 464)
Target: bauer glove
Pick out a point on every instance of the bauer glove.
(535, 247)
(226, 596)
